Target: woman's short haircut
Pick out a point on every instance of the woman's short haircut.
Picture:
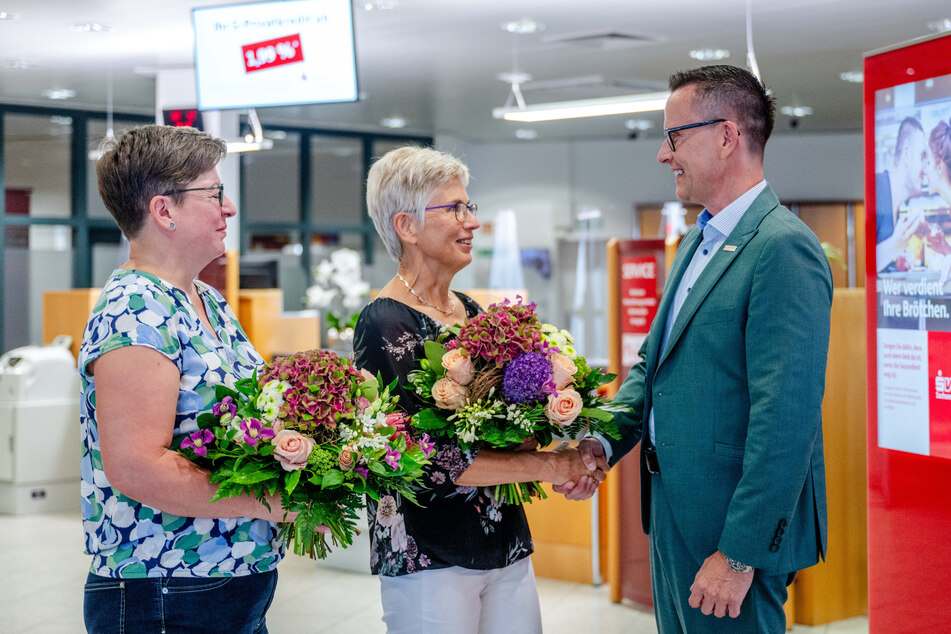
(405, 179)
(147, 161)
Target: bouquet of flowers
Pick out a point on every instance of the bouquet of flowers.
(315, 429)
(505, 377)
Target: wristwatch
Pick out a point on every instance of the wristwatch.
(736, 566)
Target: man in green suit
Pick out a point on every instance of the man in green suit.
(727, 395)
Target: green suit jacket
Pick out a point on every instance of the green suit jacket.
(737, 393)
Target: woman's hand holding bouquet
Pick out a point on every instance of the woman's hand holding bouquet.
(506, 378)
(316, 432)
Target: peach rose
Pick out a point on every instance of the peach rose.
(458, 366)
(562, 369)
(448, 394)
(564, 408)
(292, 449)
(347, 459)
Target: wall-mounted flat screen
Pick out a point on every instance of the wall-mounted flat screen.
(274, 54)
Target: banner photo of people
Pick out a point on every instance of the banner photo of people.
(913, 265)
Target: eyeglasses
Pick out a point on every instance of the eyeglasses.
(669, 132)
(220, 196)
(460, 209)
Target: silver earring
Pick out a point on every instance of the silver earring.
(171, 225)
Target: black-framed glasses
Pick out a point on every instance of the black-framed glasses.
(220, 196)
(460, 209)
(668, 132)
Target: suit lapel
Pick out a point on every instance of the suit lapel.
(744, 231)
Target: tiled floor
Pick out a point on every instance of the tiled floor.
(44, 569)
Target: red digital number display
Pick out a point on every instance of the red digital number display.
(271, 53)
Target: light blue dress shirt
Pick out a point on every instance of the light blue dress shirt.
(715, 230)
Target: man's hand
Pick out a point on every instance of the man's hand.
(717, 589)
(592, 454)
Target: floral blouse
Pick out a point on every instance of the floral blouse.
(456, 525)
(129, 539)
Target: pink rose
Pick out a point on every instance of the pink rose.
(564, 408)
(458, 366)
(292, 449)
(562, 369)
(448, 394)
(348, 458)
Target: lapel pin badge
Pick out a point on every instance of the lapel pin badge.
(730, 247)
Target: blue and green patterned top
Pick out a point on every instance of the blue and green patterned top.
(129, 539)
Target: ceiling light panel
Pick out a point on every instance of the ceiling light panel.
(710, 54)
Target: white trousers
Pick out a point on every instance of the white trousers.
(462, 601)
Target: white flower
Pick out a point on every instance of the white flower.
(324, 271)
(320, 297)
(346, 261)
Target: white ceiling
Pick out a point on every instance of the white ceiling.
(435, 62)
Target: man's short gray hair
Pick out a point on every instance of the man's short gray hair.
(405, 179)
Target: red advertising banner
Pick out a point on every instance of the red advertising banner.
(908, 304)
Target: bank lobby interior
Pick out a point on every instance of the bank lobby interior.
(557, 197)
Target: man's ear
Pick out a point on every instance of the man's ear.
(729, 138)
(406, 227)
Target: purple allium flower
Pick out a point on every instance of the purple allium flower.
(198, 441)
(527, 378)
(254, 430)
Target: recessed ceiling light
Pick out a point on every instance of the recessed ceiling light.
(59, 94)
(525, 26)
(393, 122)
(376, 5)
(526, 134)
(6, 15)
(709, 54)
(91, 27)
(853, 76)
(18, 64)
(638, 124)
(940, 26)
(796, 111)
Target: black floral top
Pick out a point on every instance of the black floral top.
(456, 526)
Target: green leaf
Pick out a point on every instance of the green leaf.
(332, 478)
(434, 354)
(430, 420)
(598, 414)
(291, 483)
(252, 477)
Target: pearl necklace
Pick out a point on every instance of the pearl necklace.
(452, 302)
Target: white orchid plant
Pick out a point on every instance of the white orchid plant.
(338, 281)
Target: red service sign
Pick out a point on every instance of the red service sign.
(270, 53)
(638, 293)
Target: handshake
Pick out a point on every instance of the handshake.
(579, 471)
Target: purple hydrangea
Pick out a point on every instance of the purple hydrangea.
(527, 378)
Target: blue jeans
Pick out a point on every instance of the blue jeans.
(178, 604)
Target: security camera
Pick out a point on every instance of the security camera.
(794, 123)
(632, 135)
